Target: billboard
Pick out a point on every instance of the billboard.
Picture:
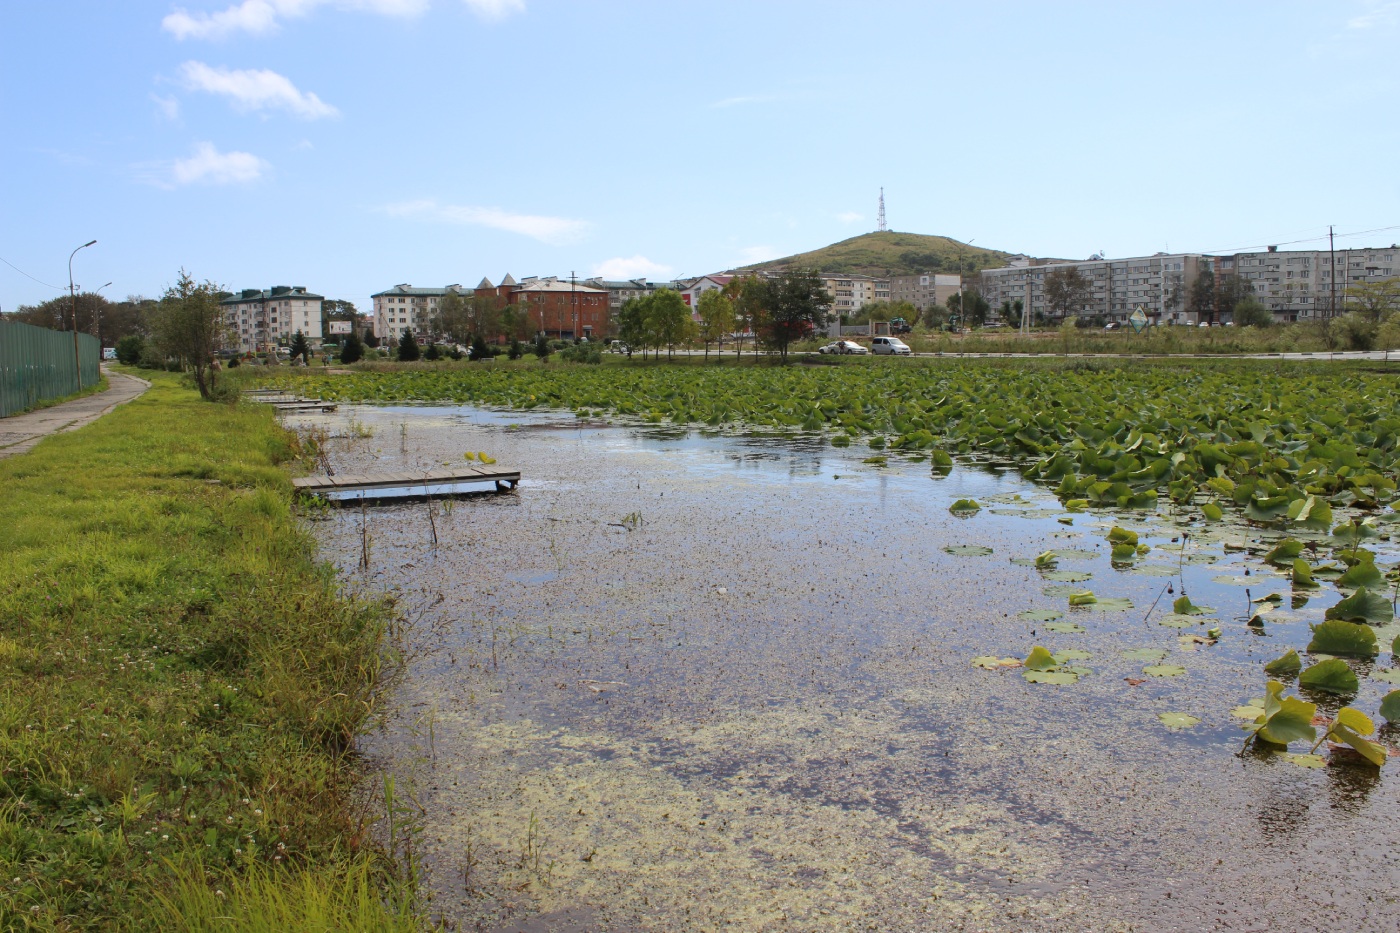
(340, 327)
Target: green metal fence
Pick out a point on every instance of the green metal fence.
(37, 364)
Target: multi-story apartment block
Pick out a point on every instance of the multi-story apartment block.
(620, 291)
(261, 319)
(1159, 285)
(923, 291)
(404, 307)
(1300, 285)
(850, 293)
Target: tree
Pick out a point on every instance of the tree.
(408, 347)
(188, 325)
(1066, 290)
(1201, 299)
(333, 309)
(300, 348)
(129, 349)
(1374, 301)
(976, 311)
(668, 319)
(1230, 291)
(542, 350)
(352, 350)
(632, 324)
(432, 354)
(1251, 313)
(716, 318)
(788, 307)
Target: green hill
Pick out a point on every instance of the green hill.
(891, 253)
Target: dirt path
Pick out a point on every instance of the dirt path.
(19, 433)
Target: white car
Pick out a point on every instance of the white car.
(889, 345)
(844, 346)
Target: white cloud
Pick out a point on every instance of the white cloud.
(1378, 14)
(260, 17)
(850, 217)
(631, 267)
(255, 90)
(551, 230)
(169, 106)
(495, 9)
(210, 166)
(752, 254)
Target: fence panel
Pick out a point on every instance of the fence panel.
(36, 364)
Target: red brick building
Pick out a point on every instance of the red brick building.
(555, 307)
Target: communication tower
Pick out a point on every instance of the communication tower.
(880, 224)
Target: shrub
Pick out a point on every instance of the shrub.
(480, 350)
(352, 350)
(432, 354)
(234, 362)
(582, 353)
(1354, 332)
(129, 349)
(542, 347)
(408, 348)
(516, 351)
(1251, 313)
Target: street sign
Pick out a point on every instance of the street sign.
(1138, 320)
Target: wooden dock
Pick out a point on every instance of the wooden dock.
(284, 402)
(406, 485)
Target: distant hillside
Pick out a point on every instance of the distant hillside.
(891, 253)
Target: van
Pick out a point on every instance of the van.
(889, 345)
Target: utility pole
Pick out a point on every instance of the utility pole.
(73, 300)
(573, 301)
(1332, 253)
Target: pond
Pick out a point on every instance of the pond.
(700, 680)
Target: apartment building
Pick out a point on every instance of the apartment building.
(620, 291)
(849, 293)
(404, 307)
(1298, 285)
(261, 319)
(556, 307)
(923, 291)
(1158, 284)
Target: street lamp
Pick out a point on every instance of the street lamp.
(962, 302)
(73, 299)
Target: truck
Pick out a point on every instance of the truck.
(900, 326)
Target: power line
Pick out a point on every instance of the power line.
(1316, 239)
(28, 276)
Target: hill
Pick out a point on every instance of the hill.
(891, 253)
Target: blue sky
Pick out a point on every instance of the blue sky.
(349, 145)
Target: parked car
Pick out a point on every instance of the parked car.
(889, 345)
(617, 346)
(844, 347)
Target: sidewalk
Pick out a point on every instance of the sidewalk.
(19, 433)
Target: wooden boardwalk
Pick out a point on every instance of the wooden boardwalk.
(407, 484)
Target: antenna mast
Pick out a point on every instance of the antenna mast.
(880, 224)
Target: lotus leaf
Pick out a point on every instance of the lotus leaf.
(1082, 598)
(1389, 676)
(940, 458)
(1144, 654)
(1178, 720)
(1356, 531)
(1212, 512)
(992, 663)
(1390, 706)
(1113, 604)
(1303, 575)
(1304, 761)
(1344, 639)
(1184, 606)
(1123, 552)
(1290, 663)
(1051, 677)
(1065, 628)
(882, 461)
(1284, 719)
(1177, 620)
(1251, 711)
(1118, 535)
(1075, 553)
(1363, 606)
(1350, 728)
(1284, 553)
(965, 505)
(1072, 654)
(1040, 615)
(1330, 676)
(1361, 573)
(1068, 576)
(1164, 670)
(968, 550)
(1040, 660)
(1046, 559)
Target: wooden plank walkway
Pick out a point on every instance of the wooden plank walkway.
(503, 478)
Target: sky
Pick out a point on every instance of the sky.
(351, 145)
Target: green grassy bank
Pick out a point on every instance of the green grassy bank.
(180, 685)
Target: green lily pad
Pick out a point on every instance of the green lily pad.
(1145, 654)
(1344, 639)
(1082, 598)
(1155, 570)
(1117, 535)
(968, 550)
(1040, 615)
(1178, 720)
(1072, 654)
(1051, 677)
(1212, 512)
(1390, 706)
(1075, 553)
(965, 505)
(1330, 676)
(1284, 719)
(1068, 628)
(1113, 604)
(1067, 576)
(1061, 590)
(1363, 606)
(1177, 620)
(992, 663)
(1389, 676)
(1290, 663)
(1040, 659)
(1184, 606)
(1164, 670)
(1229, 580)
(1250, 711)
(1304, 761)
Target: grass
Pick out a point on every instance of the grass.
(181, 682)
(891, 253)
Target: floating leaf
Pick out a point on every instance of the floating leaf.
(1284, 553)
(1390, 706)
(1344, 639)
(1067, 628)
(1362, 573)
(1212, 512)
(1178, 720)
(1068, 576)
(992, 663)
(1184, 606)
(1177, 620)
(1284, 719)
(1350, 728)
(1123, 552)
(1144, 654)
(1164, 670)
(1072, 654)
(1082, 598)
(1076, 505)
(1363, 606)
(1113, 604)
(1040, 660)
(1390, 676)
(1304, 761)
(1250, 711)
(1303, 575)
(1040, 615)
(1076, 553)
(1051, 677)
(965, 505)
(1330, 676)
(1290, 663)
(967, 550)
(1046, 560)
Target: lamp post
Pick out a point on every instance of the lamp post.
(962, 301)
(97, 314)
(73, 300)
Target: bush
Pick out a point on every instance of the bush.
(129, 349)
(352, 350)
(1251, 313)
(516, 351)
(234, 362)
(408, 348)
(432, 354)
(1354, 332)
(480, 350)
(582, 353)
(542, 347)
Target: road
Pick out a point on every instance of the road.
(19, 433)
